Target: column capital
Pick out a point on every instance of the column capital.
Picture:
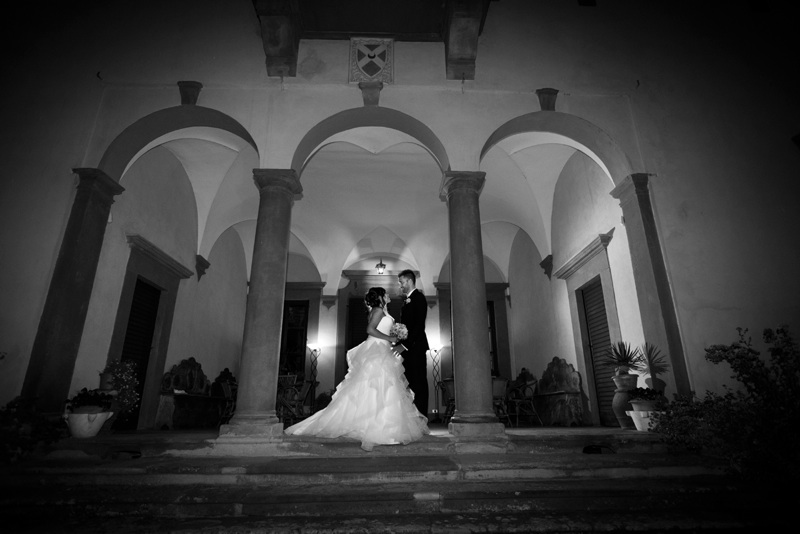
(279, 180)
(636, 183)
(455, 180)
(98, 180)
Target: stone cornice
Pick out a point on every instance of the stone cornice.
(147, 248)
(580, 259)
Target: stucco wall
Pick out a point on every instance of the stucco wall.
(209, 313)
(537, 334)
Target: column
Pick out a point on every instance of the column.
(258, 372)
(472, 371)
(659, 318)
(58, 337)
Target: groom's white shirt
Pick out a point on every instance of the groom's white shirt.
(407, 297)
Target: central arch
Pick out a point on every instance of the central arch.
(366, 117)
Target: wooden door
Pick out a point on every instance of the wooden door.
(138, 344)
(597, 341)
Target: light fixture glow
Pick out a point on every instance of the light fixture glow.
(381, 266)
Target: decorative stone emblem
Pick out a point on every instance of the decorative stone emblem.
(371, 60)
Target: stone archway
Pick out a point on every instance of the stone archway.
(657, 309)
(165, 124)
(562, 128)
(365, 117)
(61, 325)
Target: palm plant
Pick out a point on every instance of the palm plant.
(655, 363)
(623, 358)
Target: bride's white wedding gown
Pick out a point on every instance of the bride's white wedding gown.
(373, 403)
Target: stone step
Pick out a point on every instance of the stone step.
(545, 480)
(440, 442)
(677, 503)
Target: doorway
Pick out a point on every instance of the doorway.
(138, 342)
(597, 342)
(294, 339)
(144, 321)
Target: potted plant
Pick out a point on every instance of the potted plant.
(623, 358)
(646, 399)
(86, 412)
(655, 363)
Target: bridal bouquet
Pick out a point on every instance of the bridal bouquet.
(399, 330)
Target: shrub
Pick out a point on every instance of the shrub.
(124, 382)
(646, 394)
(755, 427)
(23, 429)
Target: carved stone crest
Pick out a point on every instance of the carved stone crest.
(371, 60)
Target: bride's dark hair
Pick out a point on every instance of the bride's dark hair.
(374, 296)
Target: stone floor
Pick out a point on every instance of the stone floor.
(545, 480)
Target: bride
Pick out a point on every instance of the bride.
(373, 403)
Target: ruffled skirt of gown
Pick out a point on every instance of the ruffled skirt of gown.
(372, 404)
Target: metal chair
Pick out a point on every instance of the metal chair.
(499, 402)
(448, 388)
(521, 397)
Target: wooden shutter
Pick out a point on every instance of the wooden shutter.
(599, 343)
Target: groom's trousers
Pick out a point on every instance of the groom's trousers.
(416, 370)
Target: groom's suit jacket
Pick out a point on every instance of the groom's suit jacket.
(413, 315)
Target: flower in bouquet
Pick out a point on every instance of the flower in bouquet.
(399, 330)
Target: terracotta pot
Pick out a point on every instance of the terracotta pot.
(86, 425)
(620, 403)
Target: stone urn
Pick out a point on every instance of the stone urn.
(620, 403)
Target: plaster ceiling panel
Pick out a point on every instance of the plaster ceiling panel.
(507, 196)
(373, 139)
(236, 200)
(348, 192)
(542, 165)
(206, 164)
(497, 239)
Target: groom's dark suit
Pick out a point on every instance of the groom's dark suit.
(413, 315)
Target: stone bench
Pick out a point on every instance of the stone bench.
(188, 400)
(558, 398)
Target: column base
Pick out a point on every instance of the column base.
(258, 425)
(479, 438)
(460, 429)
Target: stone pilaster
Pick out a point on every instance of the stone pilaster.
(474, 416)
(659, 318)
(258, 384)
(58, 337)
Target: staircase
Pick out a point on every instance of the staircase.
(544, 482)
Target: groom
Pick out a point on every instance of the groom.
(413, 315)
